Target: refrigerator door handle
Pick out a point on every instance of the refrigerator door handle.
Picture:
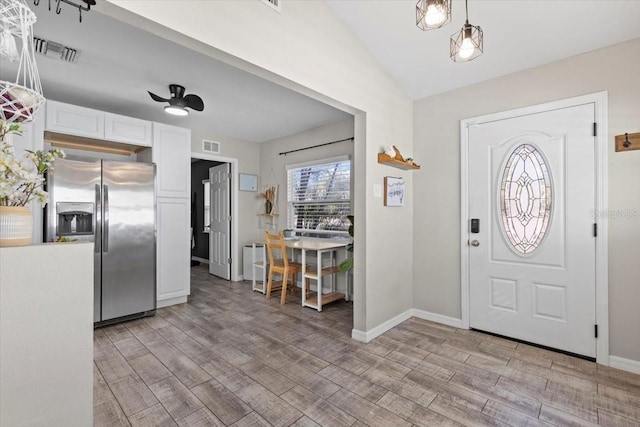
(98, 227)
(105, 233)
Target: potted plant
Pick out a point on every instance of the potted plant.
(19, 185)
(347, 264)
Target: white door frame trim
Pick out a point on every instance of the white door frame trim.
(600, 100)
(235, 276)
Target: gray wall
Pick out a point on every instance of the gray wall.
(436, 287)
(273, 165)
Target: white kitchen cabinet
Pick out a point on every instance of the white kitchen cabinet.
(173, 251)
(80, 121)
(172, 156)
(74, 120)
(127, 129)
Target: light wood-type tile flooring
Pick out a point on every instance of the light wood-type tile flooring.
(231, 358)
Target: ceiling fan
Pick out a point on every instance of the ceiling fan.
(179, 102)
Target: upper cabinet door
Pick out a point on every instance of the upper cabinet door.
(74, 120)
(172, 156)
(127, 129)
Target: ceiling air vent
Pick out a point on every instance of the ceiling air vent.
(56, 50)
(275, 4)
(209, 146)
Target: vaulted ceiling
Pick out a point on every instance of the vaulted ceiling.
(119, 63)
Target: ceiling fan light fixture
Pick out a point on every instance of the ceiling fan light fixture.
(432, 14)
(176, 110)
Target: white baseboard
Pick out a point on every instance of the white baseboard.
(366, 336)
(438, 318)
(202, 260)
(381, 328)
(625, 364)
(171, 301)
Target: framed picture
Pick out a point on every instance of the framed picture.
(248, 182)
(393, 191)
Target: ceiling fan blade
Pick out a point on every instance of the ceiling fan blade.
(194, 102)
(157, 98)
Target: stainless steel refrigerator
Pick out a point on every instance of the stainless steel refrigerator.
(112, 204)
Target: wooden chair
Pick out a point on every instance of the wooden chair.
(279, 263)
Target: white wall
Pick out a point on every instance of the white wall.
(308, 48)
(616, 69)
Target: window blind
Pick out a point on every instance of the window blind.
(319, 196)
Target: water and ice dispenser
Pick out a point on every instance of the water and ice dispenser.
(74, 218)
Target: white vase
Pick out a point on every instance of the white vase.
(16, 226)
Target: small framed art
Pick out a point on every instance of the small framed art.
(393, 191)
(248, 182)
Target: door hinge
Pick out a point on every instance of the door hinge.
(595, 230)
(229, 175)
(595, 129)
(229, 261)
(595, 330)
(229, 219)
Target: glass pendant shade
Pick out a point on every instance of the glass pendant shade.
(19, 99)
(432, 14)
(466, 44)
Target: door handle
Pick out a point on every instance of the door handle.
(474, 243)
(105, 233)
(98, 225)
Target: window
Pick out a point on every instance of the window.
(319, 196)
(207, 213)
(526, 199)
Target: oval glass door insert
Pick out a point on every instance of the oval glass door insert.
(525, 199)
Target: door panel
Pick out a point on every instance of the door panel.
(174, 248)
(78, 181)
(128, 239)
(220, 231)
(532, 185)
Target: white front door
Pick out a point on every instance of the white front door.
(220, 231)
(531, 186)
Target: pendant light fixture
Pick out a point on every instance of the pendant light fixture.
(20, 99)
(468, 43)
(432, 14)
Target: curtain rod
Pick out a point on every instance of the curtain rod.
(284, 153)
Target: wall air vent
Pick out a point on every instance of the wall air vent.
(275, 4)
(209, 146)
(56, 50)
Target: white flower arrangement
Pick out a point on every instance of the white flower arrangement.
(20, 183)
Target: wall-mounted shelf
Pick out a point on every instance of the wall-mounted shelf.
(628, 142)
(394, 162)
(268, 220)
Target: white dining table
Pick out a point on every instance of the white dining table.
(321, 247)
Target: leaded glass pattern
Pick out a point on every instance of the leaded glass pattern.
(525, 199)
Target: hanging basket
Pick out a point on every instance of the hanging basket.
(21, 98)
(16, 226)
(17, 103)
